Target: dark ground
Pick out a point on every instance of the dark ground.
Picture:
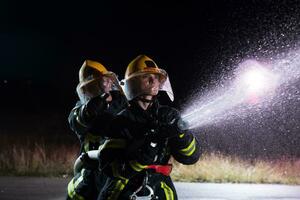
(29, 188)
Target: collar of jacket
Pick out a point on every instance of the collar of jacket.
(151, 112)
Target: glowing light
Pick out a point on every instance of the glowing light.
(255, 88)
(256, 79)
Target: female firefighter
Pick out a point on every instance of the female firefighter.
(100, 99)
(143, 138)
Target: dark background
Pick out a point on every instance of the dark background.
(43, 45)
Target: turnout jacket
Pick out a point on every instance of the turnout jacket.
(139, 138)
(91, 133)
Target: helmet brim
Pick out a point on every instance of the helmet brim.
(89, 88)
(162, 73)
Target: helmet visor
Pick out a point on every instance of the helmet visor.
(95, 86)
(132, 90)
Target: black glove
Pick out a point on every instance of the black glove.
(94, 106)
(168, 119)
(157, 130)
(89, 163)
(169, 130)
(147, 153)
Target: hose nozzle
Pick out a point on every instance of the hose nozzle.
(183, 125)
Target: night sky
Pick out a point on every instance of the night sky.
(44, 44)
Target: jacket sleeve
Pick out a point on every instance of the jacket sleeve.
(116, 162)
(82, 123)
(139, 158)
(185, 148)
(121, 157)
(113, 162)
(103, 122)
(77, 124)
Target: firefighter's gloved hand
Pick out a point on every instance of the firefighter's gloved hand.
(170, 123)
(147, 153)
(169, 130)
(88, 163)
(95, 106)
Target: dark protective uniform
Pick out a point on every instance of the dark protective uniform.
(140, 139)
(88, 183)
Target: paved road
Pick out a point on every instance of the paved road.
(30, 188)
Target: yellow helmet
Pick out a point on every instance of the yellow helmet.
(91, 74)
(141, 65)
(91, 69)
(144, 65)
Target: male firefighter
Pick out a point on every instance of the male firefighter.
(100, 99)
(143, 138)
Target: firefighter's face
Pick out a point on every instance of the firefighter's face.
(149, 84)
(106, 84)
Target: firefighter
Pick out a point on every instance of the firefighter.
(144, 137)
(100, 99)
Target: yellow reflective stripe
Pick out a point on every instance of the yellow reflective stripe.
(118, 189)
(136, 165)
(79, 180)
(181, 135)
(168, 191)
(113, 143)
(71, 190)
(86, 146)
(190, 149)
(115, 170)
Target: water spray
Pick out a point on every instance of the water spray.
(254, 85)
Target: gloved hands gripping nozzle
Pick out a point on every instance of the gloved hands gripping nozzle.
(182, 125)
(173, 128)
(94, 106)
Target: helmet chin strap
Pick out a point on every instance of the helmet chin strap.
(140, 98)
